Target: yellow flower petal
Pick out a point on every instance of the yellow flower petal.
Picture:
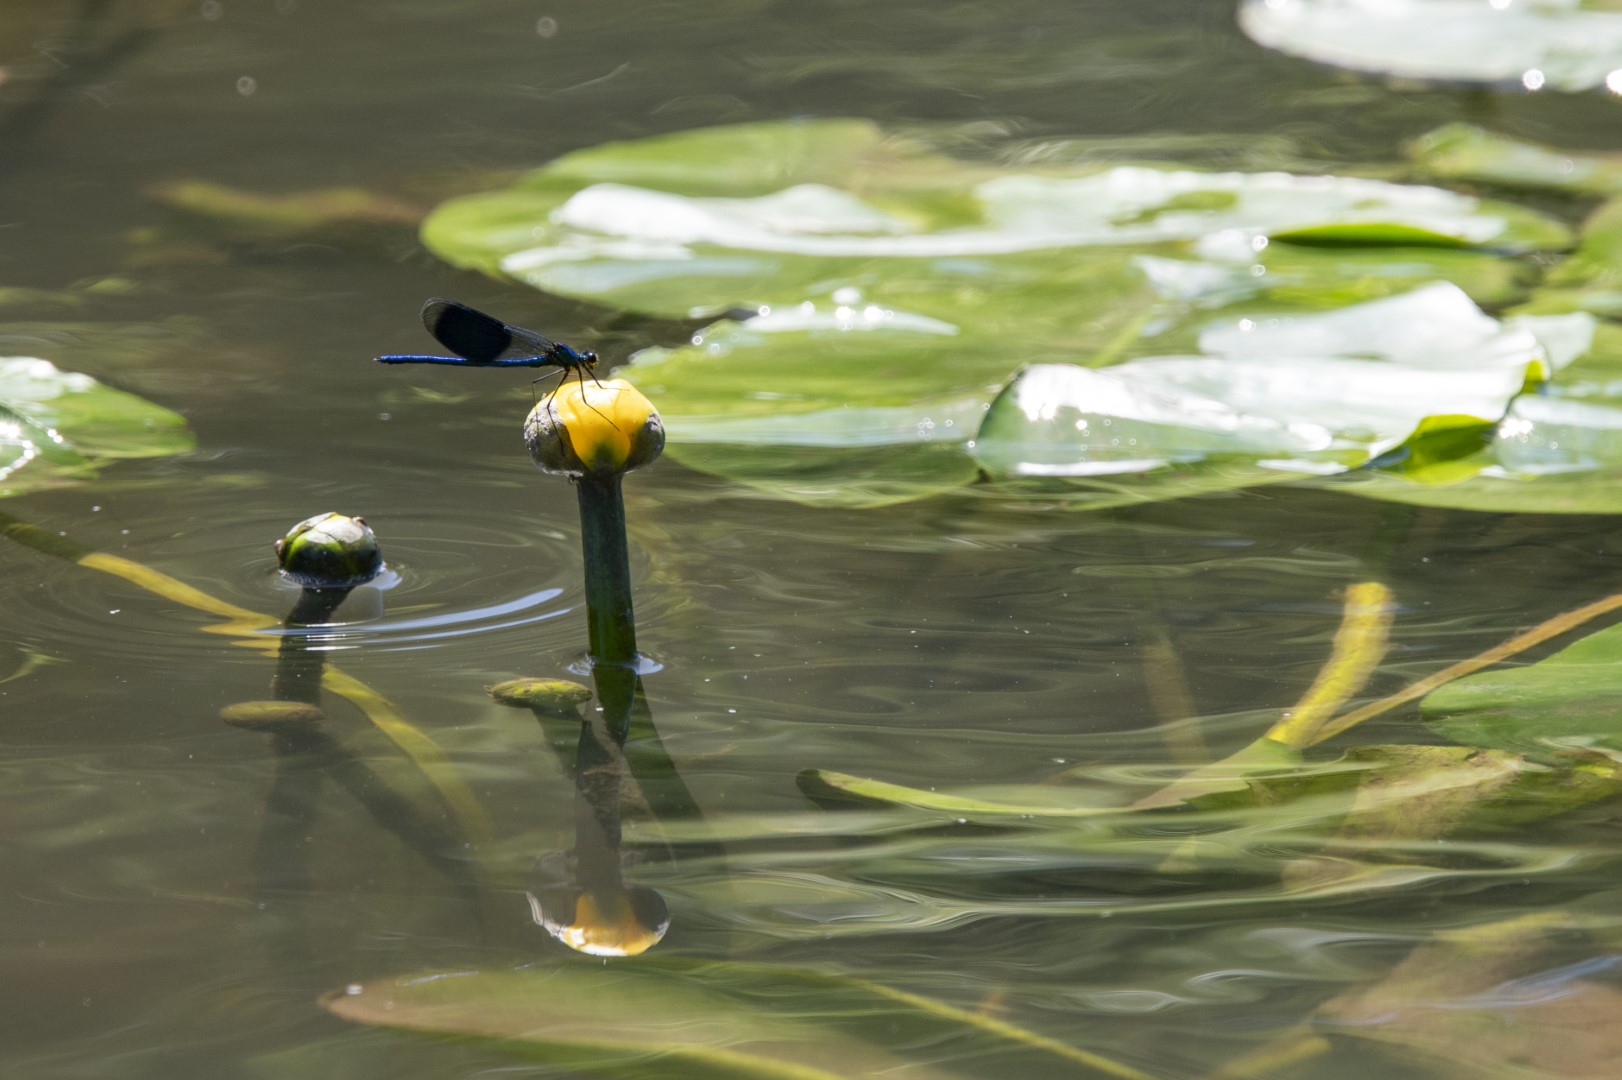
(586, 427)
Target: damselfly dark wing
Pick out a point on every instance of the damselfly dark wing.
(482, 338)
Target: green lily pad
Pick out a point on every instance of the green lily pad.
(1304, 395)
(1333, 276)
(1570, 699)
(1550, 455)
(886, 408)
(1469, 153)
(879, 416)
(1558, 46)
(1596, 265)
(56, 426)
(894, 289)
(1591, 278)
(1556, 451)
(771, 214)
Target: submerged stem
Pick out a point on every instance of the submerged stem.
(246, 626)
(1360, 645)
(1503, 651)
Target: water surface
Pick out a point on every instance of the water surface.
(964, 640)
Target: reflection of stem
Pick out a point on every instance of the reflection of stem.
(298, 667)
(598, 769)
(281, 861)
(1519, 643)
(303, 754)
(246, 626)
(583, 900)
(395, 813)
(663, 789)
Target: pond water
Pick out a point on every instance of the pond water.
(167, 917)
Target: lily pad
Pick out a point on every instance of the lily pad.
(1273, 397)
(1556, 451)
(886, 408)
(770, 214)
(918, 397)
(894, 289)
(1591, 278)
(57, 426)
(1469, 153)
(1570, 699)
(1559, 46)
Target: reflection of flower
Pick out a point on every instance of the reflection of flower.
(587, 428)
(608, 919)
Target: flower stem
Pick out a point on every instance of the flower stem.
(610, 620)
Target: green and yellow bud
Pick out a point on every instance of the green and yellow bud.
(586, 428)
(330, 551)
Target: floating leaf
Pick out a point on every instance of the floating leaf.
(1306, 395)
(800, 434)
(1591, 278)
(772, 214)
(1469, 153)
(1558, 450)
(894, 288)
(1560, 46)
(55, 425)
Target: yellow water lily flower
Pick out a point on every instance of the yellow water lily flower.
(587, 428)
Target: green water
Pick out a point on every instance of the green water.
(964, 640)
